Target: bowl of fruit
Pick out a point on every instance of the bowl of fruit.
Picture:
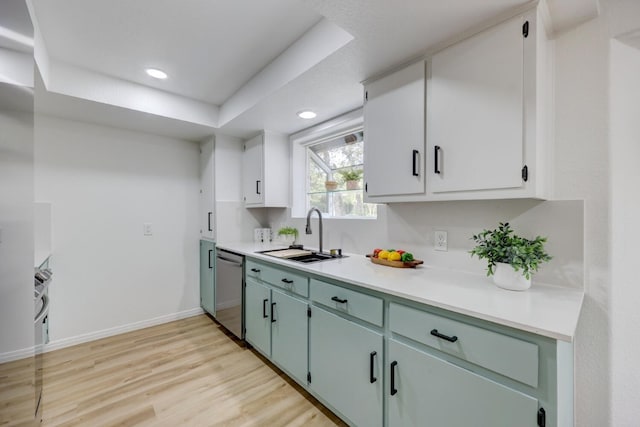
(394, 258)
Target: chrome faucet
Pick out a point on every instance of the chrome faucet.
(308, 228)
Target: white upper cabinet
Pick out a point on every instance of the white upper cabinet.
(265, 171)
(207, 187)
(484, 111)
(475, 116)
(394, 157)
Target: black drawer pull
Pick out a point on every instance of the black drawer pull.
(415, 162)
(255, 270)
(372, 379)
(436, 150)
(341, 301)
(210, 251)
(435, 333)
(273, 318)
(394, 390)
(264, 308)
(287, 281)
(209, 221)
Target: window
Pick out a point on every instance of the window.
(334, 177)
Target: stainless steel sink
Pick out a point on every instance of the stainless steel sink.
(305, 259)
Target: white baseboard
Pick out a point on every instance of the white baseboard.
(92, 336)
(10, 356)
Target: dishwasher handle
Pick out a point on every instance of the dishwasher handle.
(229, 261)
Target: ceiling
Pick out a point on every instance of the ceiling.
(16, 30)
(229, 53)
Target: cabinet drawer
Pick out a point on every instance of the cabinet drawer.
(503, 354)
(354, 303)
(292, 282)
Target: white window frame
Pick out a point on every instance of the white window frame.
(335, 128)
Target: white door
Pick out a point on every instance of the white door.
(207, 196)
(475, 112)
(394, 156)
(252, 171)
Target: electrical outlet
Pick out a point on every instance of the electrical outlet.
(147, 229)
(440, 240)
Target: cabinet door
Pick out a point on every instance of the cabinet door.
(207, 276)
(343, 371)
(207, 197)
(475, 112)
(394, 119)
(432, 392)
(253, 172)
(289, 333)
(258, 316)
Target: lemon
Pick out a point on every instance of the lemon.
(394, 256)
(383, 254)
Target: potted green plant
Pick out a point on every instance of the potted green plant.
(331, 185)
(511, 259)
(352, 178)
(288, 234)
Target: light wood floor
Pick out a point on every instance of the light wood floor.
(17, 392)
(184, 373)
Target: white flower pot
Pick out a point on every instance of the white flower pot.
(288, 239)
(353, 185)
(505, 277)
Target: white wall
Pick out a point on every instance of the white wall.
(103, 184)
(411, 226)
(581, 171)
(624, 134)
(16, 228)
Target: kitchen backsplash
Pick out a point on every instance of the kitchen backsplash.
(411, 226)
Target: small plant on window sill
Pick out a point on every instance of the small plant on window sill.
(352, 178)
(331, 185)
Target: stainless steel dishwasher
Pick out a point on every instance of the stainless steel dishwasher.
(228, 298)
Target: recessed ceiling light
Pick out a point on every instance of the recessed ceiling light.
(156, 74)
(307, 114)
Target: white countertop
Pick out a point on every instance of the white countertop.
(546, 310)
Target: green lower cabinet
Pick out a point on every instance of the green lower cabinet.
(427, 391)
(258, 316)
(289, 333)
(207, 276)
(345, 362)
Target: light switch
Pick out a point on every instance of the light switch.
(148, 230)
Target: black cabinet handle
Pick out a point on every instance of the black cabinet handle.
(209, 221)
(394, 390)
(372, 379)
(415, 162)
(341, 301)
(255, 270)
(287, 281)
(264, 308)
(210, 251)
(435, 333)
(258, 187)
(436, 152)
(273, 319)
